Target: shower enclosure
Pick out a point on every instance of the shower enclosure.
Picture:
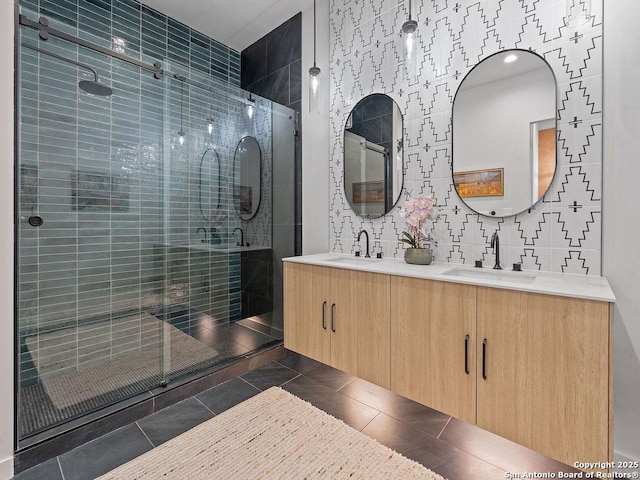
(132, 230)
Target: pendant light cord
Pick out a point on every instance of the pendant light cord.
(314, 33)
(409, 9)
(181, 103)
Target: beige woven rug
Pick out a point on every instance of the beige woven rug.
(143, 366)
(273, 435)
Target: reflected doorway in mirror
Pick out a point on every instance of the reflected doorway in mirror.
(504, 115)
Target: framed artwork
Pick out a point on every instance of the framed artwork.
(368, 192)
(245, 199)
(479, 183)
(96, 191)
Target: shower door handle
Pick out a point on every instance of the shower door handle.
(324, 321)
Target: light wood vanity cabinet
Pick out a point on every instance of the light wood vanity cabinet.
(307, 291)
(339, 317)
(546, 362)
(433, 357)
(533, 368)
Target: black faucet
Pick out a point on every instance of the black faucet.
(205, 233)
(495, 245)
(358, 239)
(241, 244)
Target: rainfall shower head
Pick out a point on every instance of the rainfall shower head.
(93, 87)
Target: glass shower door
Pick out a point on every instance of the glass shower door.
(90, 223)
(135, 270)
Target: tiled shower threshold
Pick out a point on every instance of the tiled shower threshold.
(60, 439)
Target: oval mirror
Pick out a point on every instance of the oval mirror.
(247, 175)
(504, 133)
(209, 182)
(373, 154)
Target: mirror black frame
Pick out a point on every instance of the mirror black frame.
(555, 79)
(235, 171)
(390, 203)
(217, 157)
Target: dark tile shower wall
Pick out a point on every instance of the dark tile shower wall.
(256, 279)
(373, 119)
(272, 68)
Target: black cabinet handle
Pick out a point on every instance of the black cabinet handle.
(466, 354)
(484, 359)
(324, 321)
(333, 326)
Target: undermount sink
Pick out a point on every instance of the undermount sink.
(354, 260)
(496, 275)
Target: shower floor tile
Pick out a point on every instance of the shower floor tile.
(38, 413)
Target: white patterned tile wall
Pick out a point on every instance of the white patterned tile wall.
(562, 232)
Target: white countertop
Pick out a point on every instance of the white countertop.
(562, 284)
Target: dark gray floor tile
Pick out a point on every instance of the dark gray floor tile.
(329, 376)
(418, 416)
(247, 337)
(350, 411)
(49, 470)
(299, 363)
(499, 451)
(227, 395)
(174, 420)
(395, 434)
(454, 464)
(272, 374)
(262, 324)
(104, 454)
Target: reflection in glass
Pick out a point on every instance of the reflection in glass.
(504, 133)
(373, 153)
(209, 178)
(248, 171)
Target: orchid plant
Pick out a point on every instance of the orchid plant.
(417, 211)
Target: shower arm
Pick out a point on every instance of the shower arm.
(64, 59)
(42, 26)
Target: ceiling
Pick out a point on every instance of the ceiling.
(493, 68)
(236, 23)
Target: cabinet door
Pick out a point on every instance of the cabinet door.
(547, 373)
(306, 310)
(360, 342)
(433, 344)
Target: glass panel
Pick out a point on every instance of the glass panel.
(90, 275)
(129, 276)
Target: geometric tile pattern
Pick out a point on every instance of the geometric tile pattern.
(562, 232)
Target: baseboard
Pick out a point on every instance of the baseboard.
(618, 457)
(6, 468)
